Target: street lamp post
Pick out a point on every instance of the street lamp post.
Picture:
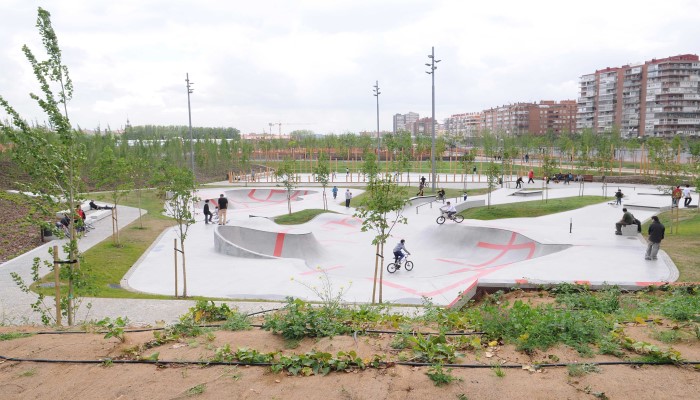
(189, 112)
(503, 153)
(376, 94)
(432, 66)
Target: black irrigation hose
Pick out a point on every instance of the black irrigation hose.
(425, 333)
(267, 364)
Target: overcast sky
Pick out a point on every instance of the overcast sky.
(312, 64)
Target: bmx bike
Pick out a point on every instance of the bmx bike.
(456, 218)
(396, 265)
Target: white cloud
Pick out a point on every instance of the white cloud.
(315, 61)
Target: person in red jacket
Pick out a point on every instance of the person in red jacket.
(530, 176)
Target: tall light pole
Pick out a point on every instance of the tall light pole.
(189, 112)
(376, 94)
(432, 66)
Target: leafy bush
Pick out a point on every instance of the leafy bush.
(237, 322)
(432, 349)
(300, 319)
(440, 376)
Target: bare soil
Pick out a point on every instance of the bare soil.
(33, 380)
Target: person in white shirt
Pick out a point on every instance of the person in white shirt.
(686, 196)
(449, 209)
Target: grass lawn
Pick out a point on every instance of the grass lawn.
(108, 263)
(358, 201)
(684, 246)
(300, 217)
(536, 208)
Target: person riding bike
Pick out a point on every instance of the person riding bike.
(449, 209)
(399, 249)
(441, 194)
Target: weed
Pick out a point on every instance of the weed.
(210, 336)
(196, 390)
(14, 335)
(300, 320)
(496, 368)
(697, 331)
(578, 370)
(681, 306)
(440, 376)
(462, 396)
(243, 354)
(432, 349)
(207, 311)
(670, 336)
(321, 363)
(649, 351)
(107, 362)
(401, 339)
(237, 322)
(115, 328)
(29, 372)
(292, 343)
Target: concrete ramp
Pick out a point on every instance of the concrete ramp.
(249, 242)
(250, 198)
(483, 247)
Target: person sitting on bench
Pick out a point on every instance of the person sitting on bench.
(627, 219)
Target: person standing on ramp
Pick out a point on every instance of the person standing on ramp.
(223, 205)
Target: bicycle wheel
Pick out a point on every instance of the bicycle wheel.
(440, 220)
(458, 219)
(409, 265)
(391, 268)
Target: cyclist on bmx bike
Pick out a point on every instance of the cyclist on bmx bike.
(399, 249)
(449, 212)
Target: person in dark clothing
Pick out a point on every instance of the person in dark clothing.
(223, 205)
(656, 234)
(94, 206)
(519, 182)
(627, 219)
(618, 197)
(207, 212)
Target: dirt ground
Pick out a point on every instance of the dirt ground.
(33, 380)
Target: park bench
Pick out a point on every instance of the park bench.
(528, 193)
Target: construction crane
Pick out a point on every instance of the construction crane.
(279, 126)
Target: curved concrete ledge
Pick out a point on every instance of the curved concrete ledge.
(247, 242)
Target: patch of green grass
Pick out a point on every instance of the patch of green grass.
(196, 390)
(579, 370)
(300, 217)
(670, 336)
(682, 244)
(530, 209)
(29, 372)
(440, 376)
(14, 335)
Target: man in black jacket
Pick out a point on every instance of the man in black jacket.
(656, 234)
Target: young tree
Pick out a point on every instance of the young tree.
(114, 174)
(178, 183)
(383, 209)
(51, 156)
(493, 173)
(322, 173)
(370, 167)
(467, 160)
(285, 175)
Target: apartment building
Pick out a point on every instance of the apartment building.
(512, 119)
(405, 122)
(464, 125)
(556, 117)
(660, 97)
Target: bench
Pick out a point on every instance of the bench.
(629, 230)
(469, 204)
(527, 193)
(588, 178)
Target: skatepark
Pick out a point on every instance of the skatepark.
(252, 257)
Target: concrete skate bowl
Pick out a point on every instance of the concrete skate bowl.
(474, 248)
(251, 198)
(248, 242)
